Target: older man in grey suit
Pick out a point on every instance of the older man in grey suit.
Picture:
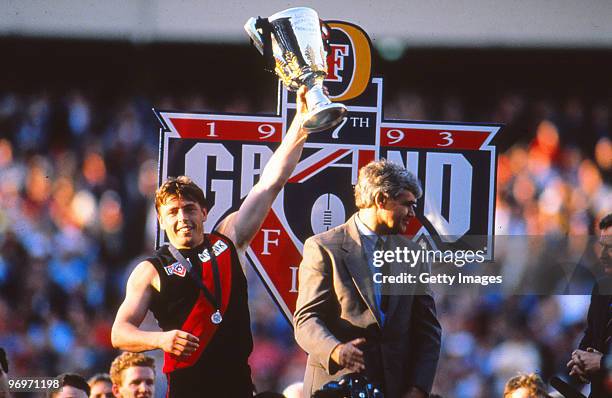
(342, 319)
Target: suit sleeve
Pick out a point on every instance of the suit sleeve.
(588, 340)
(592, 333)
(315, 300)
(426, 334)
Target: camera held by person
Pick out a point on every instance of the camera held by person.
(352, 385)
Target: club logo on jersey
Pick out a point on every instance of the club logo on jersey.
(175, 269)
(218, 248)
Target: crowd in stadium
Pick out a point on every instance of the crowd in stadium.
(77, 182)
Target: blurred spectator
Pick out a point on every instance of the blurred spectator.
(101, 386)
(603, 157)
(4, 386)
(133, 375)
(587, 362)
(72, 385)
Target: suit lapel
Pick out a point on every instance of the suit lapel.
(357, 266)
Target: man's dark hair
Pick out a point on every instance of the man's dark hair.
(605, 222)
(73, 380)
(181, 187)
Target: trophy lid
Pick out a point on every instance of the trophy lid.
(293, 12)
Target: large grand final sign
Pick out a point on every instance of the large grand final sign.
(225, 154)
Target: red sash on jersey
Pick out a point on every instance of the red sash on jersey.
(198, 321)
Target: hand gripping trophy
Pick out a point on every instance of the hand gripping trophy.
(293, 38)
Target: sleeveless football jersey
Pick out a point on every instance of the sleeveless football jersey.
(219, 366)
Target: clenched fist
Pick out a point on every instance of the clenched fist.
(179, 343)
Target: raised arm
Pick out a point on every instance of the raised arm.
(242, 225)
(126, 334)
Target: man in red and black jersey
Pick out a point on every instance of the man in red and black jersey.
(196, 287)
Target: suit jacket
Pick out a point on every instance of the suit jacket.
(336, 304)
(596, 332)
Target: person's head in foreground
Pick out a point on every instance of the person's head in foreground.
(101, 386)
(386, 195)
(525, 386)
(181, 211)
(72, 385)
(133, 376)
(294, 390)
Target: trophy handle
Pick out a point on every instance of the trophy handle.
(325, 35)
(251, 28)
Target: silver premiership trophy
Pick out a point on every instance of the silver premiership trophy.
(293, 38)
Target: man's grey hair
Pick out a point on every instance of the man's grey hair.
(385, 177)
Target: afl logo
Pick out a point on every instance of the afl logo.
(327, 212)
(176, 269)
(349, 61)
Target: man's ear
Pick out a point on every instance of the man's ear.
(380, 200)
(116, 391)
(161, 223)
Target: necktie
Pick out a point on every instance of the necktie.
(384, 299)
